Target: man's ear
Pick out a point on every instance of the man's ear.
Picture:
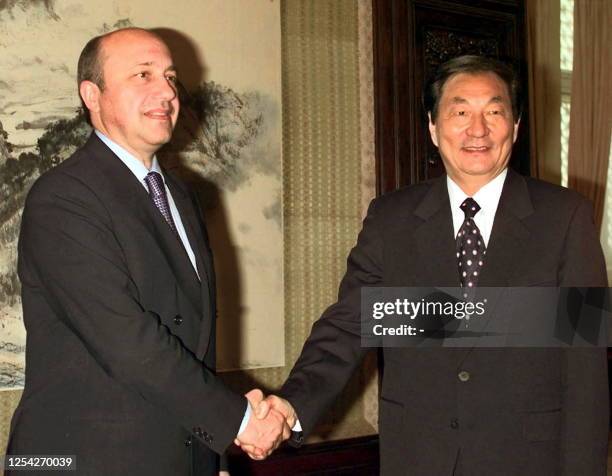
(432, 130)
(90, 93)
(516, 128)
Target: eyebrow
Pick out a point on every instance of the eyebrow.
(150, 63)
(459, 100)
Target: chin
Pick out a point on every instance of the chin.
(161, 139)
(479, 164)
(478, 171)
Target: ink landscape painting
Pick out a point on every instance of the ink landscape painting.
(227, 146)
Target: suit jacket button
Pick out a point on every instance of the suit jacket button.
(188, 442)
(454, 424)
(178, 320)
(464, 375)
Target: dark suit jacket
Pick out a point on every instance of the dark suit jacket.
(120, 333)
(526, 411)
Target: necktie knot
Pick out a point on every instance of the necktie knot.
(155, 182)
(470, 207)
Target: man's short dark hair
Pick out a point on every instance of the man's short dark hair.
(90, 67)
(90, 63)
(471, 64)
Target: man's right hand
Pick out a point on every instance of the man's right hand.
(282, 406)
(264, 432)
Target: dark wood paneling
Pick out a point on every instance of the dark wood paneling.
(411, 38)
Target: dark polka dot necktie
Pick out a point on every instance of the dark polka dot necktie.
(157, 192)
(471, 249)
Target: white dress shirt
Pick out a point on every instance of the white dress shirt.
(487, 198)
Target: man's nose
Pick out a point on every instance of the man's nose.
(165, 89)
(478, 126)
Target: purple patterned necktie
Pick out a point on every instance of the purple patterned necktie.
(157, 192)
(471, 249)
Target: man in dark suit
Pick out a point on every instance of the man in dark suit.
(118, 291)
(466, 411)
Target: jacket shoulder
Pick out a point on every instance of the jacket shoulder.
(546, 195)
(75, 176)
(402, 200)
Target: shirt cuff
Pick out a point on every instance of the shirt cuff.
(245, 419)
(297, 426)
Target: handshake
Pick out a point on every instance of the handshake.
(270, 424)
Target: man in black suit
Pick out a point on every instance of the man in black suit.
(466, 411)
(118, 291)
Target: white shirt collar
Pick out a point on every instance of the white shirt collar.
(136, 166)
(487, 198)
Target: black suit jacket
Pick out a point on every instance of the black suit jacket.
(120, 353)
(526, 411)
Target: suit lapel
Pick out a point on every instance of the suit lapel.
(434, 237)
(509, 236)
(193, 228)
(133, 196)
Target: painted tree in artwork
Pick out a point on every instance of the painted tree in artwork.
(219, 133)
(61, 139)
(5, 146)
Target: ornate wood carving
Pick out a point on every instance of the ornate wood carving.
(442, 45)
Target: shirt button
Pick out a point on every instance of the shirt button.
(178, 320)
(464, 375)
(454, 423)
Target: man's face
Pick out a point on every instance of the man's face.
(474, 130)
(138, 106)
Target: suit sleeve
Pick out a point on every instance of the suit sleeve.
(333, 349)
(68, 250)
(586, 399)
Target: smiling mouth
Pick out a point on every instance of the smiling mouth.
(159, 115)
(476, 149)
